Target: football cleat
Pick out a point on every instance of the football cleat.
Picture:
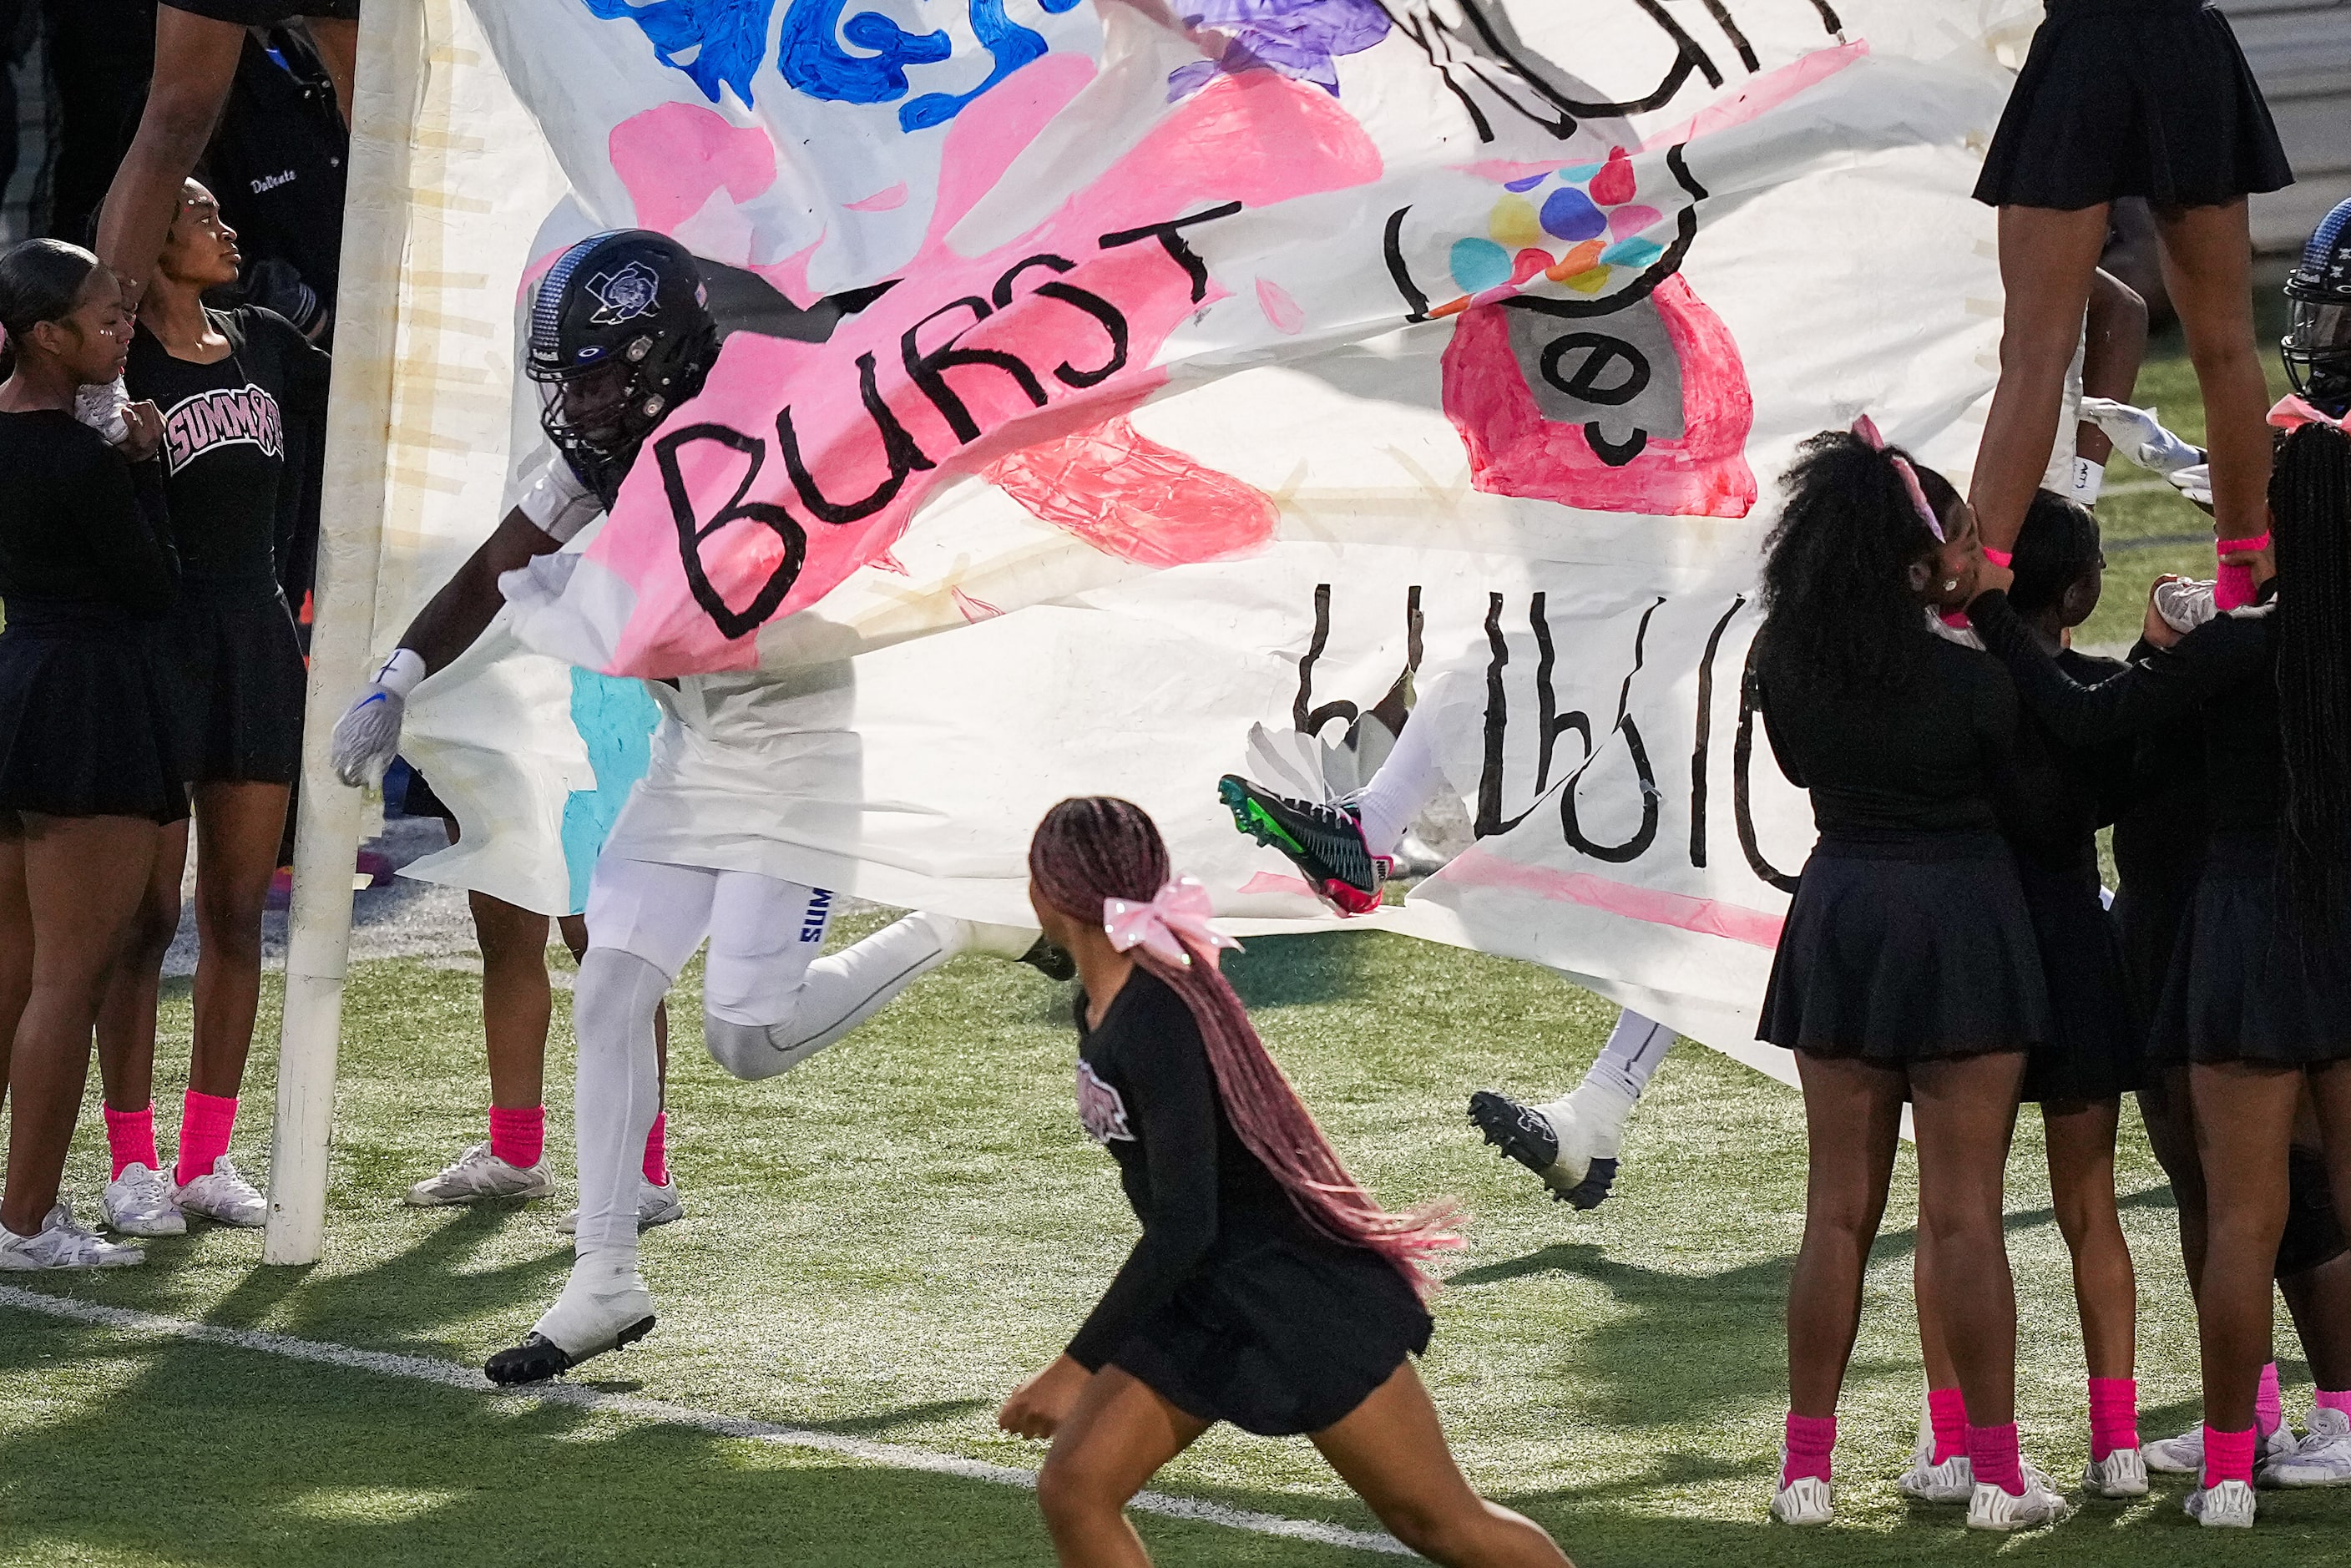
(1050, 961)
(538, 1358)
(1324, 842)
(1525, 1135)
(604, 1306)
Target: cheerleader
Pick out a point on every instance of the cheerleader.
(2128, 98)
(2063, 795)
(87, 773)
(231, 384)
(1268, 1290)
(1907, 967)
(2256, 1002)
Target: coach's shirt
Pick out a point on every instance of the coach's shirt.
(225, 443)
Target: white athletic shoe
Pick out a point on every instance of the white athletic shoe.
(2229, 1505)
(62, 1244)
(478, 1173)
(2322, 1457)
(604, 1306)
(655, 1205)
(1994, 1508)
(1804, 1501)
(2122, 1473)
(1953, 1480)
(224, 1196)
(138, 1203)
(2184, 1454)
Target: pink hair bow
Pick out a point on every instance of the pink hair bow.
(1167, 927)
(1866, 428)
(2295, 412)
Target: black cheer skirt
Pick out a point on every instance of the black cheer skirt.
(2096, 1050)
(2133, 98)
(233, 665)
(267, 13)
(1280, 1338)
(2238, 989)
(1907, 951)
(86, 725)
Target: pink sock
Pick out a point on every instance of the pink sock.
(205, 1122)
(1811, 1440)
(1947, 1414)
(2333, 1399)
(1991, 1450)
(657, 1151)
(2269, 1405)
(130, 1139)
(2228, 1457)
(518, 1137)
(2113, 1415)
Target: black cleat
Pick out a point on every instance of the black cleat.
(1524, 1135)
(1324, 842)
(538, 1358)
(1592, 1190)
(1051, 961)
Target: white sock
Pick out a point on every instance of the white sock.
(1592, 1118)
(619, 1093)
(835, 995)
(1401, 791)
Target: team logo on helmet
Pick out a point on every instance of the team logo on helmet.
(626, 295)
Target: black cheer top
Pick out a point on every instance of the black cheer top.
(1928, 757)
(79, 527)
(1146, 1093)
(225, 442)
(2224, 671)
(2065, 793)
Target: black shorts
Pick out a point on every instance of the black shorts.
(267, 13)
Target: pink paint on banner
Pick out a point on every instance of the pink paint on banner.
(1760, 95)
(888, 201)
(1287, 315)
(1478, 867)
(674, 157)
(1128, 496)
(800, 462)
(1267, 881)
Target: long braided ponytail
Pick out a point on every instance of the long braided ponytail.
(1091, 850)
(2310, 504)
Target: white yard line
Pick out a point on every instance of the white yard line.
(451, 1375)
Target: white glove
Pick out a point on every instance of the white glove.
(2139, 436)
(100, 408)
(2195, 483)
(367, 734)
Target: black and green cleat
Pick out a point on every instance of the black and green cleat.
(1324, 842)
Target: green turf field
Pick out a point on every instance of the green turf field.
(884, 1242)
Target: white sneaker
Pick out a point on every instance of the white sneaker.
(2122, 1473)
(2184, 1454)
(62, 1244)
(222, 1196)
(2229, 1505)
(1953, 1480)
(655, 1205)
(478, 1173)
(2322, 1457)
(1804, 1501)
(138, 1203)
(1995, 1507)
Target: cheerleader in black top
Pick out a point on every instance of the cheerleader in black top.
(231, 384)
(2063, 795)
(2128, 98)
(1907, 967)
(1269, 1290)
(86, 774)
(2257, 1001)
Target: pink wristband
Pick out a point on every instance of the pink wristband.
(2232, 586)
(2000, 558)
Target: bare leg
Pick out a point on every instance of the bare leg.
(2244, 1121)
(84, 877)
(237, 829)
(1852, 1115)
(2320, 1300)
(195, 61)
(126, 1019)
(2116, 347)
(1114, 1441)
(2166, 1106)
(2208, 255)
(2047, 259)
(516, 1002)
(2081, 1182)
(15, 939)
(1391, 1449)
(1964, 1110)
(1934, 1343)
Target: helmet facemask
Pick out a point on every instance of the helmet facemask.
(2318, 353)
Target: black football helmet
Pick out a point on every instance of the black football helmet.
(2318, 349)
(621, 333)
